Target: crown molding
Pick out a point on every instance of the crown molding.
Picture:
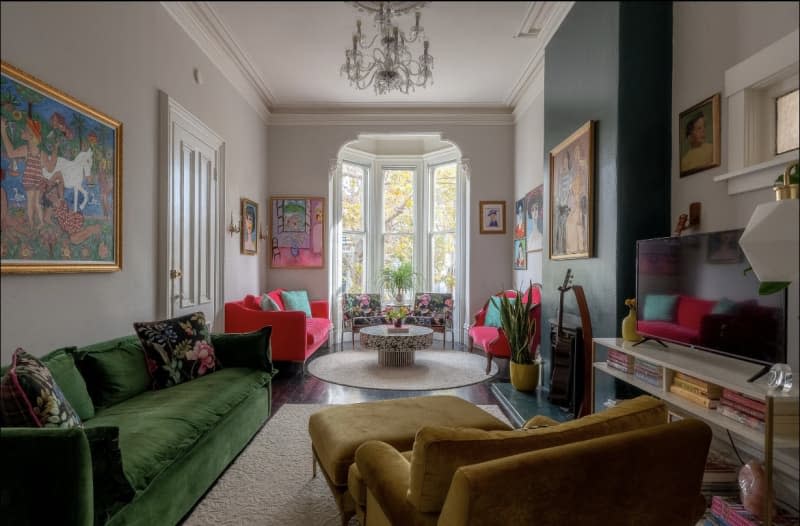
(548, 16)
(204, 26)
(386, 117)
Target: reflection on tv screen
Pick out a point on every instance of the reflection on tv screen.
(694, 290)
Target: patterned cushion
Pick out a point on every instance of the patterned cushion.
(360, 306)
(268, 304)
(437, 306)
(177, 350)
(29, 397)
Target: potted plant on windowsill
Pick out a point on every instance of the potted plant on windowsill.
(519, 326)
(399, 280)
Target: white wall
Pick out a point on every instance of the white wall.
(528, 174)
(115, 58)
(298, 162)
(709, 38)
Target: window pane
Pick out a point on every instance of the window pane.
(353, 177)
(398, 201)
(788, 126)
(444, 198)
(397, 249)
(443, 251)
(353, 263)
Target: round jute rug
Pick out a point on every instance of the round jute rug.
(431, 370)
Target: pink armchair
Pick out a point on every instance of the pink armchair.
(294, 336)
(492, 339)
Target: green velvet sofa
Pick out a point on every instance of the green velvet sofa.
(173, 443)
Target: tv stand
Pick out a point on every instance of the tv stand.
(764, 370)
(649, 339)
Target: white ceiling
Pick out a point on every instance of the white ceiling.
(293, 51)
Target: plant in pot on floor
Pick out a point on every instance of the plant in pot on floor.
(399, 280)
(519, 326)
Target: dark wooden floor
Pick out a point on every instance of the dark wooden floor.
(294, 386)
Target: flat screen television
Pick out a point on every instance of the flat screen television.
(693, 290)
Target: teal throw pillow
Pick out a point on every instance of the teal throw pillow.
(493, 312)
(296, 300)
(660, 307)
(724, 306)
(66, 375)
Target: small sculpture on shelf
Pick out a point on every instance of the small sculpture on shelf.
(629, 333)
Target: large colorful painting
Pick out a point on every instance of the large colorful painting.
(61, 173)
(534, 218)
(297, 232)
(572, 195)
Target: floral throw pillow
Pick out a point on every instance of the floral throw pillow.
(177, 350)
(29, 397)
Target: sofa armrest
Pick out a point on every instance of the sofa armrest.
(249, 349)
(386, 473)
(320, 309)
(47, 476)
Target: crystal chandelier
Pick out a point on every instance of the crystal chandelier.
(389, 65)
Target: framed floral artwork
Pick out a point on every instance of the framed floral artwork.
(297, 232)
(61, 173)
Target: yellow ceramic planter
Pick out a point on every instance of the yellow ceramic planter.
(524, 377)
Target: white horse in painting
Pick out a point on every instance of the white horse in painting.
(73, 173)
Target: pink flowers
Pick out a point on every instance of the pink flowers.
(364, 299)
(203, 353)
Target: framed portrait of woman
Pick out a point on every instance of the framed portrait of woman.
(699, 136)
(249, 231)
(572, 195)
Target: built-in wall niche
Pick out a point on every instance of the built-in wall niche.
(751, 89)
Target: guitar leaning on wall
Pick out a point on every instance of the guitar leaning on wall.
(562, 353)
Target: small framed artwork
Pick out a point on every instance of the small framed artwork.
(520, 255)
(60, 181)
(534, 218)
(699, 136)
(297, 232)
(519, 219)
(572, 195)
(249, 232)
(493, 217)
(723, 247)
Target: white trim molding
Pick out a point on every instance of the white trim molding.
(396, 117)
(203, 25)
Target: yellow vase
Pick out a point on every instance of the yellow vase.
(524, 377)
(629, 333)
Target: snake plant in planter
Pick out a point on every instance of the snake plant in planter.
(519, 326)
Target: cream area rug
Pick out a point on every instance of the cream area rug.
(270, 483)
(431, 370)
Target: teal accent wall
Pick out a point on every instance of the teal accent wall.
(611, 62)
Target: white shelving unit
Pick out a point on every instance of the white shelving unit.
(721, 370)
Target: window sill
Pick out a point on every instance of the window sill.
(757, 176)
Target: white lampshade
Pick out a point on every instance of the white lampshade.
(770, 241)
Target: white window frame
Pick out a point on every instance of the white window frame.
(367, 166)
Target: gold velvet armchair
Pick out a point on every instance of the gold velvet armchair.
(622, 466)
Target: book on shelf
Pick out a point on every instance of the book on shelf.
(711, 391)
(755, 413)
(739, 398)
(701, 400)
(740, 417)
(651, 379)
(719, 470)
(651, 367)
(732, 512)
(619, 366)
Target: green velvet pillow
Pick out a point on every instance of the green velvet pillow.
(115, 370)
(69, 380)
(493, 312)
(660, 307)
(248, 349)
(110, 487)
(296, 300)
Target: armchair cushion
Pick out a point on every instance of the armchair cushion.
(439, 451)
(296, 300)
(433, 309)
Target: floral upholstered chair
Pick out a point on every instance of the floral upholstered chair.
(360, 310)
(434, 310)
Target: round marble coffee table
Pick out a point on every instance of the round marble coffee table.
(396, 349)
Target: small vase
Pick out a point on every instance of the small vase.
(398, 323)
(524, 376)
(629, 333)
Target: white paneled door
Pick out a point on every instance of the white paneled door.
(192, 211)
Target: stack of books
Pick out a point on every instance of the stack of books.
(620, 361)
(695, 390)
(743, 409)
(720, 477)
(727, 511)
(649, 372)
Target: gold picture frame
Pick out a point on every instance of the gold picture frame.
(248, 244)
(572, 169)
(62, 203)
(492, 217)
(695, 152)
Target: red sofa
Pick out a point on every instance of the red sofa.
(294, 336)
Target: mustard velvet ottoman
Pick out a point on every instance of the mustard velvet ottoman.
(337, 431)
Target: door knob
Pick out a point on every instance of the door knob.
(173, 274)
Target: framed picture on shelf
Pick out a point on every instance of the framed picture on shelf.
(572, 195)
(249, 231)
(493, 217)
(699, 138)
(297, 232)
(534, 218)
(61, 173)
